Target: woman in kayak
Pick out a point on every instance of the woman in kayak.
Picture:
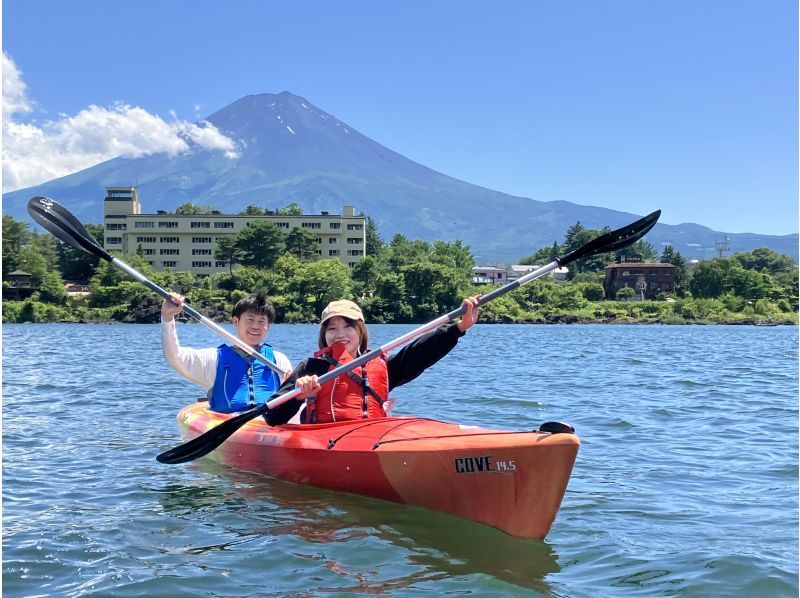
(363, 392)
(234, 380)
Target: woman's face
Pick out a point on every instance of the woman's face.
(338, 330)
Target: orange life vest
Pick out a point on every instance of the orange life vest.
(344, 398)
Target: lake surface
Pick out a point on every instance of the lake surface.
(686, 482)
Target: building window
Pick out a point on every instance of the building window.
(201, 264)
(169, 263)
(332, 240)
(280, 224)
(169, 251)
(201, 252)
(149, 252)
(311, 224)
(145, 239)
(200, 225)
(223, 225)
(169, 239)
(335, 225)
(355, 227)
(116, 226)
(354, 240)
(318, 239)
(167, 224)
(333, 252)
(144, 224)
(220, 264)
(201, 239)
(113, 240)
(318, 251)
(355, 252)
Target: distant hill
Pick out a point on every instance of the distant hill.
(290, 150)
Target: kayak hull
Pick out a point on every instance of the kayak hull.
(513, 481)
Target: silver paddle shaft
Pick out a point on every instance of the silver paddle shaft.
(401, 340)
(234, 340)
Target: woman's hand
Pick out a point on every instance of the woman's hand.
(309, 386)
(470, 315)
(172, 307)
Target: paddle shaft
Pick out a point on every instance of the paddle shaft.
(412, 334)
(208, 441)
(234, 340)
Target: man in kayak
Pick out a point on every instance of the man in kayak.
(363, 392)
(234, 380)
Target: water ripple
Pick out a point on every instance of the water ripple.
(686, 482)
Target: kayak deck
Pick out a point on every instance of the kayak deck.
(513, 481)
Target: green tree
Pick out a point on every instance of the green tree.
(670, 256)
(316, 284)
(364, 275)
(764, 259)
(52, 289)
(456, 255)
(432, 289)
(389, 303)
(374, 242)
(261, 244)
(749, 284)
(15, 236)
(76, 264)
(227, 250)
(253, 210)
(190, 209)
(302, 243)
(248, 279)
(640, 251)
(32, 261)
(542, 256)
(291, 210)
(577, 236)
(625, 293)
(708, 279)
(593, 291)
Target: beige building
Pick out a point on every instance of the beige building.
(187, 242)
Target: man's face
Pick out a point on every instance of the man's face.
(251, 328)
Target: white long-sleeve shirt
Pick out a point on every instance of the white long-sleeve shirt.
(200, 365)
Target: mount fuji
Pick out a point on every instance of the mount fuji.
(290, 150)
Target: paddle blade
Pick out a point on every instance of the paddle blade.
(60, 222)
(208, 441)
(614, 240)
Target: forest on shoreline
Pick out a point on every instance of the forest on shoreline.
(402, 281)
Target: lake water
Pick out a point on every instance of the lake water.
(686, 482)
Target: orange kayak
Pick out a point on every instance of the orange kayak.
(513, 481)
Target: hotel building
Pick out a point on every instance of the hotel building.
(187, 242)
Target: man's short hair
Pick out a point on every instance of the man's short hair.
(256, 303)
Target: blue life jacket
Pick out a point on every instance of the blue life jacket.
(242, 382)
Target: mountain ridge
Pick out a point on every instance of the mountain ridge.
(291, 150)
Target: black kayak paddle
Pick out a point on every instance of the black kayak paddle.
(60, 222)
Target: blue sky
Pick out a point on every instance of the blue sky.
(686, 105)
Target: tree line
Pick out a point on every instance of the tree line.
(403, 280)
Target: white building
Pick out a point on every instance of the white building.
(186, 242)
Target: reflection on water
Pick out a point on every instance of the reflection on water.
(441, 545)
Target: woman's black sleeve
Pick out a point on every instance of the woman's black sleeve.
(283, 413)
(413, 359)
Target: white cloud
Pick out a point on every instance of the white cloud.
(34, 153)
